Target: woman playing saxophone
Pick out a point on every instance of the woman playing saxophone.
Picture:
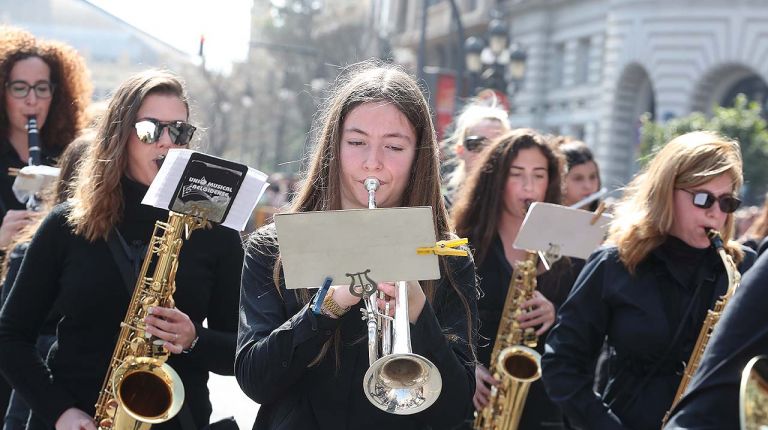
(70, 267)
(518, 168)
(647, 292)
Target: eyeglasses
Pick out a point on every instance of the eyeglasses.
(705, 200)
(149, 131)
(475, 143)
(20, 89)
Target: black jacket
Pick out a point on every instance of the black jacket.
(639, 314)
(712, 401)
(278, 337)
(82, 281)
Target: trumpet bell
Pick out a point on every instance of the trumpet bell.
(402, 384)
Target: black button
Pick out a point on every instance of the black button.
(327, 332)
(285, 364)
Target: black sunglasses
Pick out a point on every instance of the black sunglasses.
(475, 143)
(149, 131)
(705, 200)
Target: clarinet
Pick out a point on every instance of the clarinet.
(33, 141)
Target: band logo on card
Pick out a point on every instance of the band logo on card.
(208, 185)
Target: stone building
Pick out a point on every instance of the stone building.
(595, 66)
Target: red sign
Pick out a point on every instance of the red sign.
(445, 100)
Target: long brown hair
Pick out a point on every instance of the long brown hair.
(72, 91)
(98, 199)
(478, 208)
(373, 82)
(644, 216)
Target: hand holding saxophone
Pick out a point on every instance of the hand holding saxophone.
(173, 326)
(483, 382)
(539, 312)
(75, 419)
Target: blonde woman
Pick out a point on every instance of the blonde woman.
(647, 292)
(476, 127)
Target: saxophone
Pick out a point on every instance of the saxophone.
(513, 360)
(713, 316)
(140, 389)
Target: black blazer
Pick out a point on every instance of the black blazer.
(279, 337)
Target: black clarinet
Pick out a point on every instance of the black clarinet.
(33, 139)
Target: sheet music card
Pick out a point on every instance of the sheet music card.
(314, 245)
(548, 224)
(227, 191)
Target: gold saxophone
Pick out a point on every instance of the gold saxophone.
(713, 316)
(514, 362)
(140, 389)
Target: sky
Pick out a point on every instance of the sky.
(224, 23)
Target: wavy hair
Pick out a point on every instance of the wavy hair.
(480, 202)
(98, 198)
(645, 214)
(72, 92)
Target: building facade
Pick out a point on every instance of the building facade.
(594, 67)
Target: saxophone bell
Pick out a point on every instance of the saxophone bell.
(513, 360)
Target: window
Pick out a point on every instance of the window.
(581, 69)
(556, 65)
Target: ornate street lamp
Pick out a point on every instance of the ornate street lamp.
(495, 64)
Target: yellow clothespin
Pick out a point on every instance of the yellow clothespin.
(445, 247)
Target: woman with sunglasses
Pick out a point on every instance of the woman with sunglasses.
(647, 292)
(518, 168)
(44, 79)
(305, 365)
(476, 127)
(75, 265)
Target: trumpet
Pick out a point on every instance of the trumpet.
(397, 381)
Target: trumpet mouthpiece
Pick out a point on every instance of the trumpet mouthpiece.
(371, 184)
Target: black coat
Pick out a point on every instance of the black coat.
(82, 281)
(639, 314)
(278, 338)
(712, 400)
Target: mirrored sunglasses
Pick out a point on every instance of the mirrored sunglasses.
(475, 143)
(20, 89)
(149, 131)
(705, 200)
